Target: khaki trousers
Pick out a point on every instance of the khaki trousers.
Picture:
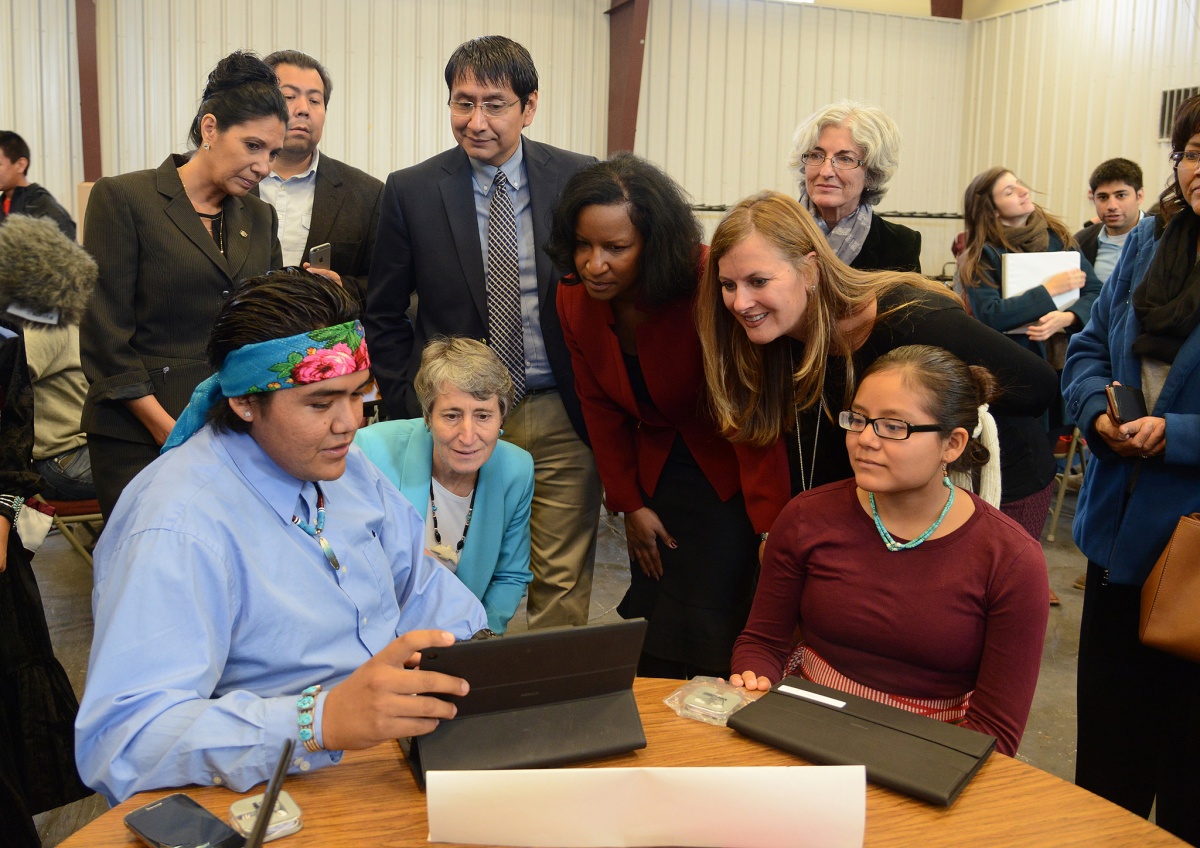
(565, 514)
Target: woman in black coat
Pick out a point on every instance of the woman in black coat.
(843, 156)
(172, 244)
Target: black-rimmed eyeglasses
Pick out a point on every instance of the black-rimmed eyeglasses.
(491, 108)
(885, 428)
(841, 161)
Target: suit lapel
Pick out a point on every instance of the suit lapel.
(179, 210)
(459, 200)
(327, 202)
(542, 195)
(239, 230)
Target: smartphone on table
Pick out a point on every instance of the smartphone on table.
(179, 822)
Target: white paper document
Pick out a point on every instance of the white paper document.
(755, 807)
(1024, 271)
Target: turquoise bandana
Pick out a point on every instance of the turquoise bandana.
(273, 365)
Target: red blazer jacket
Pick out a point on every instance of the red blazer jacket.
(631, 444)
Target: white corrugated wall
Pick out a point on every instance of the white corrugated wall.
(39, 90)
(1050, 91)
(386, 58)
(727, 81)
(1057, 89)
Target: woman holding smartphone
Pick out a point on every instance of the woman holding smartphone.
(1139, 708)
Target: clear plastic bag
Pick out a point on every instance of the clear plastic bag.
(708, 699)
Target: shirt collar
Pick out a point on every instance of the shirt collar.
(305, 175)
(274, 485)
(485, 174)
(1107, 239)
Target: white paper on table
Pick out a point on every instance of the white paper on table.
(755, 807)
(1024, 271)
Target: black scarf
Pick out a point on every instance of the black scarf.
(1167, 303)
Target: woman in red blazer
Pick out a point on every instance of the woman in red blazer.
(626, 230)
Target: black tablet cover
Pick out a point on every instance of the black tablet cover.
(918, 756)
(538, 699)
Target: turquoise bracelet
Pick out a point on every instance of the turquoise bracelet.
(306, 705)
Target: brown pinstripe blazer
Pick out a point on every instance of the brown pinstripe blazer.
(162, 282)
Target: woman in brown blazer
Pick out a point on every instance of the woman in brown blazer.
(172, 244)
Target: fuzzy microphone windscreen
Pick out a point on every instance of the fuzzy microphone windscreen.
(41, 271)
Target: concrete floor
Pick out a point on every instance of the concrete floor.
(1049, 742)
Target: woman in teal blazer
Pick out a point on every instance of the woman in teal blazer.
(474, 490)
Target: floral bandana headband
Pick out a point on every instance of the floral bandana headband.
(273, 365)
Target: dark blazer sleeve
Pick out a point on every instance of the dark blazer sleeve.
(1005, 313)
(1089, 242)
(391, 283)
(1028, 384)
(889, 247)
(161, 282)
(346, 214)
(1008, 313)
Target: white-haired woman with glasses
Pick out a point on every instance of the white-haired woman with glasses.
(843, 156)
(905, 589)
(474, 489)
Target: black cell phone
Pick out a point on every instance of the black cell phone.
(319, 256)
(177, 821)
(1125, 403)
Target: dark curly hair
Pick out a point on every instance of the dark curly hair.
(658, 208)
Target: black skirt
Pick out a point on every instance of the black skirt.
(700, 605)
(37, 704)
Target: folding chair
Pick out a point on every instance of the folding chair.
(1077, 445)
(68, 514)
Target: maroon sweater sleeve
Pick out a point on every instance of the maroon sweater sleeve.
(960, 613)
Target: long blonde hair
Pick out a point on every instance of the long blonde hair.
(754, 391)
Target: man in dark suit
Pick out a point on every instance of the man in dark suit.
(319, 199)
(1116, 189)
(465, 231)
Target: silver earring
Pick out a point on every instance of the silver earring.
(501, 431)
(812, 289)
(206, 146)
(246, 415)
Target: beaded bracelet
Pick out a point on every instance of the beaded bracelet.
(13, 502)
(306, 705)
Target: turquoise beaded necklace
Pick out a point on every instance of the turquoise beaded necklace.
(892, 544)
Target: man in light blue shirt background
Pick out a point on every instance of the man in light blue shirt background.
(262, 560)
(1116, 189)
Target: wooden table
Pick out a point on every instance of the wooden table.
(370, 798)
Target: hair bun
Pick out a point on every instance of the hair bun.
(985, 383)
(238, 68)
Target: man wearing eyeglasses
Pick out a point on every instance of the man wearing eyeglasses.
(464, 231)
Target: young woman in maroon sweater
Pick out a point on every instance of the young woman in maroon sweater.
(906, 589)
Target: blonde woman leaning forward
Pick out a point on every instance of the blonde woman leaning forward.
(786, 329)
